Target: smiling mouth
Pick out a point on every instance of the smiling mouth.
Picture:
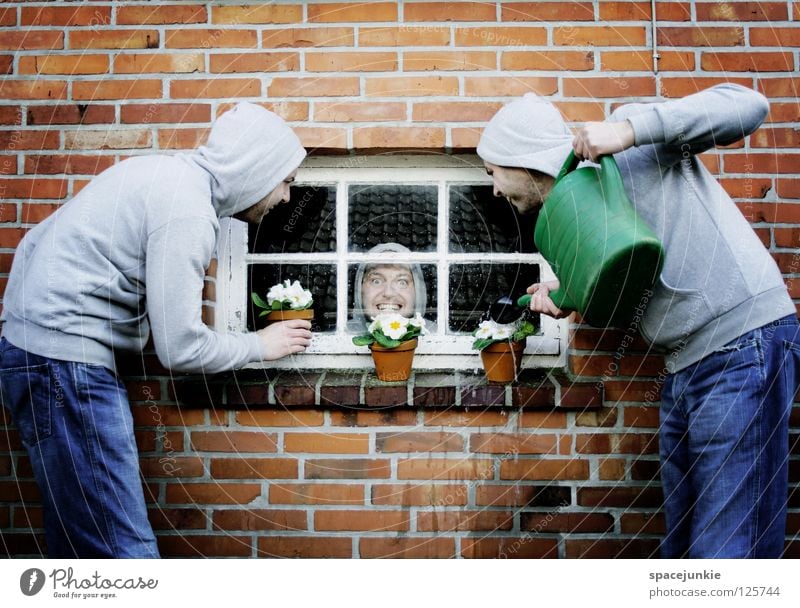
(388, 307)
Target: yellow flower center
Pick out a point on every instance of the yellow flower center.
(394, 325)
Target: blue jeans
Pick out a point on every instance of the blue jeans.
(725, 447)
(76, 425)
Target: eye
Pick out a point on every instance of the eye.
(375, 281)
(402, 283)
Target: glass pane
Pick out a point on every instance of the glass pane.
(320, 279)
(474, 287)
(307, 224)
(386, 287)
(389, 213)
(482, 223)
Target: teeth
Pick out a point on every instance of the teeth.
(388, 307)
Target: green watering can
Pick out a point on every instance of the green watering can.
(602, 252)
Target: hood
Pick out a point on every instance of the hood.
(249, 152)
(528, 132)
(359, 319)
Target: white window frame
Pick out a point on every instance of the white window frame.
(436, 351)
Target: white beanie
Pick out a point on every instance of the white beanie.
(528, 132)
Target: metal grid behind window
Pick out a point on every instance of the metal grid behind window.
(470, 247)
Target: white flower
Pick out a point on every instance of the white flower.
(502, 332)
(291, 293)
(393, 325)
(372, 326)
(276, 293)
(485, 330)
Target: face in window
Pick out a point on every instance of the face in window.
(388, 288)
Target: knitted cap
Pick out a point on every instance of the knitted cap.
(528, 132)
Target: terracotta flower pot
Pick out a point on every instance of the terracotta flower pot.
(288, 315)
(502, 360)
(393, 364)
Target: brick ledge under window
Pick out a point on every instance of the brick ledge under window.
(359, 389)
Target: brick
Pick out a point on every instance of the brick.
(233, 441)
(116, 89)
(445, 469)
(351, 62)
(508, 548)
(642, 523)
(543, 420)
(316, 139)
(288, 110)
(410, 86)
(254, 62)
(347, 468)
(63, 64)
(548, 11)
(165, 113)
(489, 86)
(406, 36)
(531, 396)
(33, 188)
(313, 87)
(442, 111)
(788, 188)
(747, 62)
(327, 443)
(500, 36)
(158, 63)
(449, 11)
(419, 494)
(359, 111)
(171, 467)
(72, 164)
(308, 37)
(113, 39)
(215, 87)
(629, 443)
(466, 418)
(630, 497)
(774, 36)
(418, 442)
(8, 16)
(702, 36)
(161, 15)
(8, 166)
(389, 417)
(70, 114)
(362, 520)
(31, 40)
(478, 395)
(771, 212)
(779, 87)
(572, 61)
(740, 11)
(464, 521)
(235, 15)
(185, 139)
(408, 548)
(307, 547)
(544, 469)
(254, 468)
(609, 87)
(607, 549)
(6, 64)
(513, 443)
(611, 469)
(603, 417)
(33, 89)
(213, 493)
(775, 138)
(280, 417)
(259, 520)
(10, 115)
(398, 138)
(211, 39)
(749, 187)
(187, 545)
(316, 494)
(421, 61)
(600, 36)
(464, 139)
(68, 16)
(641, 11)
(629, 61)
(344, 12)
(571, 523)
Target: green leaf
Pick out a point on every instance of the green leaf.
(363, 340)
(277, 305)
(264, 313)
(258, 301)
(385, 341)
(481, 343)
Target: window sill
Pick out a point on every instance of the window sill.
(361, 389)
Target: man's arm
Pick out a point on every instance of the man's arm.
(177, 255)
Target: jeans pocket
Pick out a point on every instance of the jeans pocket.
(26, 393)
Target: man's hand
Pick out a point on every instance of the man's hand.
(541, 302)
(597, 138)
(284, 338)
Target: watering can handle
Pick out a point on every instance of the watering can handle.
(559, 298)
(610, 178)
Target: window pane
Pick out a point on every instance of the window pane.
(307, 224)
(388, 213)
(474, 287)
(320, 279)
(482, 223)
(383, 287)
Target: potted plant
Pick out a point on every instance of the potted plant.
(502, 347)
(285, 301)
(392, 339)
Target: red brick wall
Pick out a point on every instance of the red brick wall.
(560, 466)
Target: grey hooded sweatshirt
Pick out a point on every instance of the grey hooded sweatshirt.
(128, 254)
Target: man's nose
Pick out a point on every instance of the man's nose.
(497, 192)
(287, 194)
